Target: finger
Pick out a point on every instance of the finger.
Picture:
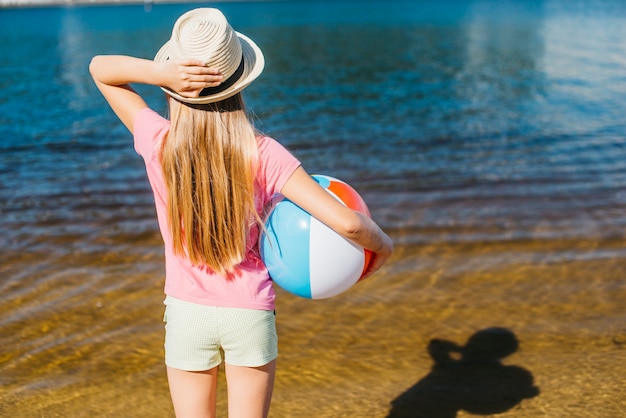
(192, 87)
(373, 267)
(203, 82)
(197, 67)
(210, 70)
(203, 71)
(205, 78)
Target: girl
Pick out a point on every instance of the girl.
(212, 174)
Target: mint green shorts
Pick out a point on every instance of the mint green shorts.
(197, 335)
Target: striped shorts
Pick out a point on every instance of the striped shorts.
(197, 335)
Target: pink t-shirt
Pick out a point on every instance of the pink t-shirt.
(199, 284)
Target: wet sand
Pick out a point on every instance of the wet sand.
(81, 335)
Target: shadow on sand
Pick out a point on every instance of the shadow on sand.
(470, 378)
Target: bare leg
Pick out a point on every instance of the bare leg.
(193, 393)
(250, 390)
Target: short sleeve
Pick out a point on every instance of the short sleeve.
(277, 164)
(149, 128)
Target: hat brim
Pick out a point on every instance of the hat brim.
(253, 62)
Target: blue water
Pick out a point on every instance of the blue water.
(469, 114)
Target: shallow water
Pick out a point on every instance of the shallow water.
(487, 138)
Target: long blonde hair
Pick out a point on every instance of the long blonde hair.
(209, 163)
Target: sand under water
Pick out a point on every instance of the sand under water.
(515, 329)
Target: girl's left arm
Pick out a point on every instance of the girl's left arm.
(302, 190)
(113, 75)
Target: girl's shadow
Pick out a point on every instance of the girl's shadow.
(469, 378)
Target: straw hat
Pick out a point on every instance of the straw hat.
(204, 34)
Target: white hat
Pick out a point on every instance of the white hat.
(204, 34)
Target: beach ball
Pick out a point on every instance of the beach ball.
(307, 258)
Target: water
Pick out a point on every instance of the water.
(487, 138)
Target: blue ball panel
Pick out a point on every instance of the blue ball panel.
(285, 248)
(322, 180)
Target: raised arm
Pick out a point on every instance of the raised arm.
(302, 190)
(113, 75)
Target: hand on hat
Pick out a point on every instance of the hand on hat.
(188, 77)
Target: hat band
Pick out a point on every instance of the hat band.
(209, 91)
